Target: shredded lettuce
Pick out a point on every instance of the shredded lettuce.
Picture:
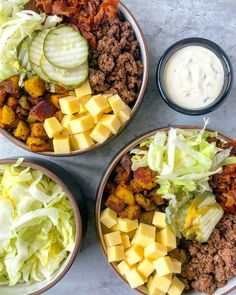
(37, 225)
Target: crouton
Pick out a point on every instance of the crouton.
(122, 176)
(135, 186)
(37, 130)
(11, 85)
(110, 188)
(147, 217)
(156, 198)
(8, 115)
(115, 203)
(3, 95)
(38, 144)
(132, 212)
(145, 203)
(22, 131)
(124, 193)
(12, 102)
(35, 86)
(145, 178)
(23, 102)
(21, 113)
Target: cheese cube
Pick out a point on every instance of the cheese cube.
(126, 225)
(176, 287)
(167, 237)
(97, 118)
(52, 127)
(124, 115)
(153, 289)
(81, 124)
(61, 144)
(100, 133)
(155, 251)
(96, 105)
(162, 283)
(115, 253)
(66, 120)
(111, 122)
(134, 254)
(125, 241)
(123, 267)
(145, 267)
(163, 266)
(176, 265)
(83, 90)
(159, 220)
(108, 109)
(116, 103)
(81, 141)
(131, 234)
(113, 239)
(134, 278)
(82, 109)
(145, 235)
(108, 218)
(84, 99)
(69, 105)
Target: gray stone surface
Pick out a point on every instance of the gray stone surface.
(163, 23)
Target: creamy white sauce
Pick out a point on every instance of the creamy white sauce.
(193, 77)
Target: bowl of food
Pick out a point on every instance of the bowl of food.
(194, 76)
(74, 99)
(41, 225)
(165, 212)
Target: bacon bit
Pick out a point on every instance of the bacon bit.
(84, 14)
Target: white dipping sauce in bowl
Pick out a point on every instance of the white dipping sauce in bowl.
(193, 77)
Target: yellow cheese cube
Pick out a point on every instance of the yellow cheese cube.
(107, 110)
(111, 122)
(153, 289)
(155, 251)
(97, 118)
(131, 234)
(82, 109)
(83, 90)
(159, 220)
(108, 218)
(145, 235)
(125, 114)
(176, 265)
(176, 287)
(115, 253)
(69, 105)
(163, 266)
(81, 141)
(113, 239)
(100, 133)
(66, 120)
(145, 268)
(167, 237)
(162, 283)
(52, 127)
(126, 225)
(84, 99)
(96, 105)
(134, 254)
(61, 144)
(116, 103)
(123, 267)
(125, 241)
(134, 278)
(81, 124)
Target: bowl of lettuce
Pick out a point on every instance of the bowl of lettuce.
(41, 227)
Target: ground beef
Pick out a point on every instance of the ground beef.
(209, 266)
(115, 65)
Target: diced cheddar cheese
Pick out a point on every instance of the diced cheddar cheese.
(113, 239)
(96, 105)
(81, 141)
(108, 110)
(115, 253)
(145, 268)
(159, 220)
(124, 115)
(66, 120)
(123, 267)
(134, 278)
(111, 122)
(166, 237)
(153, 289)
(125, 241)
(145, 235)
(126, 225)
(82, 109)
(176, 264)
(134, 254)
(100, 133)
(84, 99)
(131, 234)
(81, 124)
(116, 103)
(52, 127)
(163, 266)
(83, 90)
(176, 287)
(155, 251)
(163, 283)
(108, 218)
(61, 144)
(97, 118)
(69, 105)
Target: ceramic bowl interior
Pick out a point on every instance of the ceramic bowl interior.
(40, 287)
(144, 57)
(100, 205)
(225, 61)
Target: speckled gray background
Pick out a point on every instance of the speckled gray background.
(163, 23)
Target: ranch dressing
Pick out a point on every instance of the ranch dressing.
(193, 77)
